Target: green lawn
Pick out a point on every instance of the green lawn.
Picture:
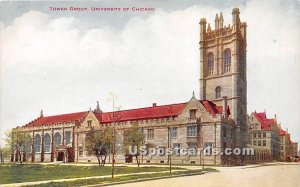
(14, 173)
(123, 179)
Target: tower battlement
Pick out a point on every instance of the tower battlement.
(220, 29)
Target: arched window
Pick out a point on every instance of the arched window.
(37, 143)
(218, 92)
(57, 138)
(47, 143)
(227, 60)
(210, 64)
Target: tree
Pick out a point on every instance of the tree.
(98, 143)
(20, 142)
(134, 137)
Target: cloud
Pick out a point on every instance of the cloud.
(61, 65)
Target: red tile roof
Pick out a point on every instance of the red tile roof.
(153, 112)
(144, 113)
(63, 118)
(264, 121)
(282, 132)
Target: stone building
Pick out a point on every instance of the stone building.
(264, 133)
(218, 120)
(288, 148)
(223, 68)
(195, 123)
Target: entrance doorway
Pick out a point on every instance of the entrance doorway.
(60, 156)
(128, 158)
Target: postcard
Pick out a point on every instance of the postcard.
(150, 93)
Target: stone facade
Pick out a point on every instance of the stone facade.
(67, 139)
(264, 134)
(223, 68)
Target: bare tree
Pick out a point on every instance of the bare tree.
(19, 141)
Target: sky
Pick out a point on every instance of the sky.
(63, 62)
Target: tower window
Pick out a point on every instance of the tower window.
(218, 92)
(210, 64)
(227, 60)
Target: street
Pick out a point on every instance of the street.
(283, 175)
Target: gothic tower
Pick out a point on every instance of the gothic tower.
(223, 68)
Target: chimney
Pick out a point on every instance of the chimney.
(41, 115)
(154, 104)
(224, 104)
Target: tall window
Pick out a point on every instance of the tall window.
(68, 137)
(57, 138)
(37, 143)
(150, 134)
(223, 131)
(210, 64)
(173, 132)
(218, 92)
(47, 140)
(227, 60)
(192, 131)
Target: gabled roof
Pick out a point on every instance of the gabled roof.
(63, 118)
(212, 108)
(264, 121)
(153, 112)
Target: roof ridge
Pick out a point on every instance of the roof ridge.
(158, 106)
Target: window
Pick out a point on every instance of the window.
(264, 135)
(68, 137)
(150, 134)
(37, 143)
(208, 148)
(210, 64)
(89, 123)
(227, 60)
(57, 139)
(254, 135)
(80, 153)
(47, 143)
(218, 92)
(193, 113)
(224, 132)
(28, 146)
(259, 135)
(192, 131)
(173, 132)
(264, 143)
(259, 142)
(254, 142)
(192, 145)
